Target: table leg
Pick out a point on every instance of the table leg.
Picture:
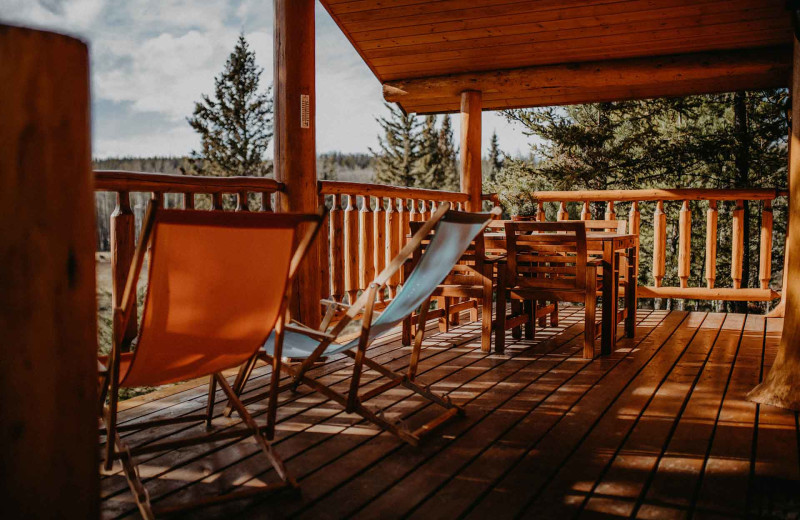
(609, 323)
(631, 299)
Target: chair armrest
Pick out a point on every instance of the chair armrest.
(302, 329)
(335, 303)
(495, 259)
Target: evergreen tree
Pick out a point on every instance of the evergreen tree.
(236, 124)
(429, 169)
(495, 158)
(709, 141)
(451, 179)
(400, 148)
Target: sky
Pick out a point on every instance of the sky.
(152, 59)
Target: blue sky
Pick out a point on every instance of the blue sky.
(152, 59)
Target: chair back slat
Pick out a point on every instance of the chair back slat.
(547, 255)
(215, 288)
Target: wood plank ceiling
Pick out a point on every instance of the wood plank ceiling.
(526, 53)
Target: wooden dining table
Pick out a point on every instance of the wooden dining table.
(610, 246)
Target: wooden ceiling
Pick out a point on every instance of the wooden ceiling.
(455, 43)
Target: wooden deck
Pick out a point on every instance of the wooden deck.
(659, 429)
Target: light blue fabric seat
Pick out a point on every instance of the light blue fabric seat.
(452, 236)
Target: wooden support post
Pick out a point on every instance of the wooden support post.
(659, 243)
(684, 244)
(782, 385)
(295, 141)
(711, 244)
(737, 245)
(336, 217)
(123, 245)
(765, 252)
(634, 226)
(351, 249)
(471, 176)
(366, 243)
(48, 365)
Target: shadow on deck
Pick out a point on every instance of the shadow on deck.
(658, 429)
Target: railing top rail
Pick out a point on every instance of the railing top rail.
(119, 180)
(381, 190)
(656, 194)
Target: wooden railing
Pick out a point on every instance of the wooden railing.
(175, 191)
(566, 200)
(368, 224)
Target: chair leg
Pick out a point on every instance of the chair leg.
(516, 310)
(212, 390)
(554, 315)
(417, 348)
(261, 439)
(500, 325)
(454, 319)
(631, 300)
(486, 318)
(473, 311)
(241, 380)
(590, 313)
(407, 332)
(530, 307)
(140, 494)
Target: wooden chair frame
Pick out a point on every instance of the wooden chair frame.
(364, 307)
(117, 449)
(509, 284)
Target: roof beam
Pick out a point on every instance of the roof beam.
(675, 75)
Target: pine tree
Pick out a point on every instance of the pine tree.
(495, 158)
(447, 151)
(400, 148)
(429, 171)
(236, 124)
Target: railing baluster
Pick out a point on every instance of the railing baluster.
(659, 243)
(414, 214)
(684, 244)
(337, 249)
(737, 253)
(540, 215)
(324, 252)
(216, 201)
(403, 218)
(379, 232)
(562, 211)
(610, 213)
(765, 253)
(392, 244)
(711, 243)
(366, 243)
(431, 209)
(586, 213)
(634, 225)
(123, 247)
(241, 201)
(351, 249)
(188, 200)
(266, 201)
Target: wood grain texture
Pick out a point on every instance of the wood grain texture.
(471, 176)
(295, 143)
(48, 368)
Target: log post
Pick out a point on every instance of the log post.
(48, 365)
(295, 141)
(782, 385)
(123, 245)
(684, 244)
(471, 176)
(765, 243)
(711, 244)
(659, 243)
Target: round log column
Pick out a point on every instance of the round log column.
(48, 364)
(295, 142)
(471, 176)
(782, 385)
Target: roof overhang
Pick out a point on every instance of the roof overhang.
(558, 52)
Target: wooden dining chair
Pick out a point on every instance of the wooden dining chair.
(472, 280)
(547, 261)
(218, 284)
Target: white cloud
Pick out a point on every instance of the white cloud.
(152, 60)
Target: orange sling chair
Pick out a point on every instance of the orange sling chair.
(217, 287)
